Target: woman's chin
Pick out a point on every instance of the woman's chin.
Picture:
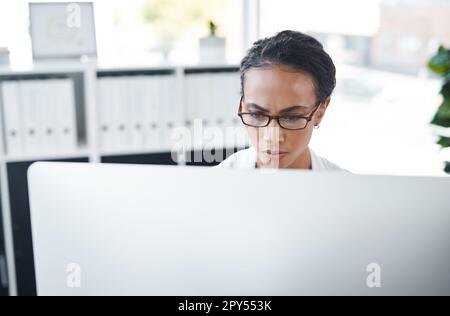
(273, 162)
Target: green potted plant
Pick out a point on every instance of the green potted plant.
(212, 47)
(440, 65)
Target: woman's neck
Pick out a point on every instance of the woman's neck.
(303, 161)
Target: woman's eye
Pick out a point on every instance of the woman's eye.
(292, 118)
(257, 115)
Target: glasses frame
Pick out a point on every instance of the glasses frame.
(277, 117)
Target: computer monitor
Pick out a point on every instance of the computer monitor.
(105, 229)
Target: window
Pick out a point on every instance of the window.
(138, 30)
(378, 121)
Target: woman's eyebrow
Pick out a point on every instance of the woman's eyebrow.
(285, 110)
(258, 107)
(293, 108)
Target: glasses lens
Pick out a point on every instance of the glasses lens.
(293, 122)
(255, 119)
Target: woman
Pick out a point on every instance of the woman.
(286, 81)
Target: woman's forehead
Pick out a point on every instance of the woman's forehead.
(278, 86)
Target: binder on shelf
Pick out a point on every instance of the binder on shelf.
(112, 111)
(65, 122)
(46, 117)
(57, 103)
(200, 107)
(172, 110)
(103, 100)
(235, 132)
(218, 99)
(164, 116)
(189, 100)
(213, 97)
(43, 114)
(136, 108)
(141, 112)
(205, 96)
(12, 116)
(196, 100)
(29, 92)
(122, 113)
(214, 100)
(152, 110)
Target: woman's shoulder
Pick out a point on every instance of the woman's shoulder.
(319, 163)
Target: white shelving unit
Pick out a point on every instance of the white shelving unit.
(89, 147)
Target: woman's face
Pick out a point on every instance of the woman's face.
(279, 90)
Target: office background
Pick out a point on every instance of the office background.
(150, 78)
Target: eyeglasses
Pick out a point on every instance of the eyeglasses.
(290, 122)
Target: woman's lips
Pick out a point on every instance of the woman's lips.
(275, 154)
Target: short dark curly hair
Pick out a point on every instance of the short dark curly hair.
(297, 50)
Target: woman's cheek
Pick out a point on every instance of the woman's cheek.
(298, 141)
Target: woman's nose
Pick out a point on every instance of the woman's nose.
(273, 132)
(274, 123)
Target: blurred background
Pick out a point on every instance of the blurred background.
(385, 95)
(378, 121)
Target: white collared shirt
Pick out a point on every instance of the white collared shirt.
(246, 159)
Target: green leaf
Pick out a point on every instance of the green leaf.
(445, 90)
(172, 19)
(447, 167)
(442, 116)
(440, 63)
(444, 141)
